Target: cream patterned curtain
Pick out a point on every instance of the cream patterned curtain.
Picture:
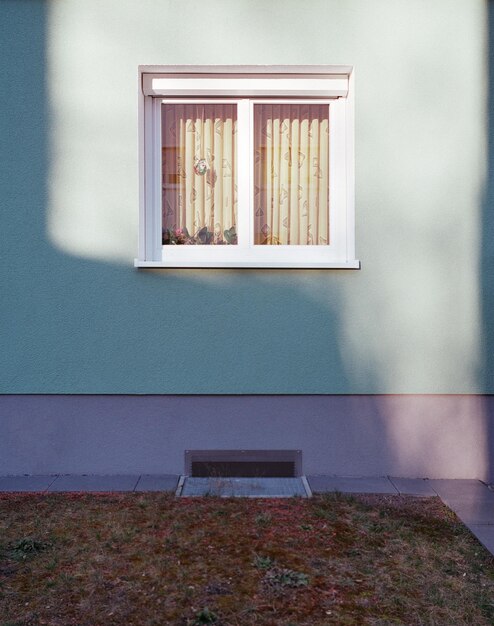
(291, 174)
(199, 173)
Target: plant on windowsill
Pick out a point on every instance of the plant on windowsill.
(203, 237)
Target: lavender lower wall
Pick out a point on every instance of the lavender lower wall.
(436, 436)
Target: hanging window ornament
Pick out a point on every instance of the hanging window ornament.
(200, 166)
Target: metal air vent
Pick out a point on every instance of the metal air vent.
(243, 463)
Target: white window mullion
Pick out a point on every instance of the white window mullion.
(243, 175)
(251, 174)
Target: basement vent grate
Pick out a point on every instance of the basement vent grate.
(243, 463)
(243, 487)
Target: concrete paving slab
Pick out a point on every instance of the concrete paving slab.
(485, 534)
(94, 483)
(458, 488)
(26, 483)
(155, 482)
(471, 512)
(413, 486)
(322, 484)
(244, 487)
(464, 495)
(465, 502)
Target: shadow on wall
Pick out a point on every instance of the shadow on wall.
(81, 326)
(74, 326)
(486, 262)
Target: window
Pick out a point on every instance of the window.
(246, 167)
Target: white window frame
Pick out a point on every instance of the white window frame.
(246, 86)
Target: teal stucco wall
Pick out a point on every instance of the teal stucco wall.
(78, 318)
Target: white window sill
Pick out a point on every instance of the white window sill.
(347, 265)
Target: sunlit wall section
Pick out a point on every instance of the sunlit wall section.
(93, 98)
(411, 317)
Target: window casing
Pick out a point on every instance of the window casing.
(304, 195)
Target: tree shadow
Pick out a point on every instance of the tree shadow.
(75, 325)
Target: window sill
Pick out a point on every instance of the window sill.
(347, 265)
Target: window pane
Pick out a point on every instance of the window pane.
(291, 174)
(199, 198)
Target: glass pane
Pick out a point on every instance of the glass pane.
(199, 155)
(291, 174)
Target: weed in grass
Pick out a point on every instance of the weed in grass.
(338, 496)
(67, 579)
(487, 605)
(328, 514)
(205, 616)
(284, 577)
(263, 562)
(52, 565)
(306, 526)
(28, 547)
(377, 528)
(263, 519)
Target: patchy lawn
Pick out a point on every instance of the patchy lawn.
(152, 559)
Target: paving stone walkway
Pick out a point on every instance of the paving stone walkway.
(471, 500)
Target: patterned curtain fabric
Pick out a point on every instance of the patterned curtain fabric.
(291, 174)
(199, 173)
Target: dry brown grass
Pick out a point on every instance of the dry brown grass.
(152, 559)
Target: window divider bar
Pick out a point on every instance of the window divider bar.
(251, 173)
(243, 174)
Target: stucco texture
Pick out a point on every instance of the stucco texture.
(78, 318)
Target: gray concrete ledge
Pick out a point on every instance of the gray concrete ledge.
(323, 484)
(94, 483)
(88, 483)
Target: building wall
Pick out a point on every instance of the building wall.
(77, 318)
(409, 436)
